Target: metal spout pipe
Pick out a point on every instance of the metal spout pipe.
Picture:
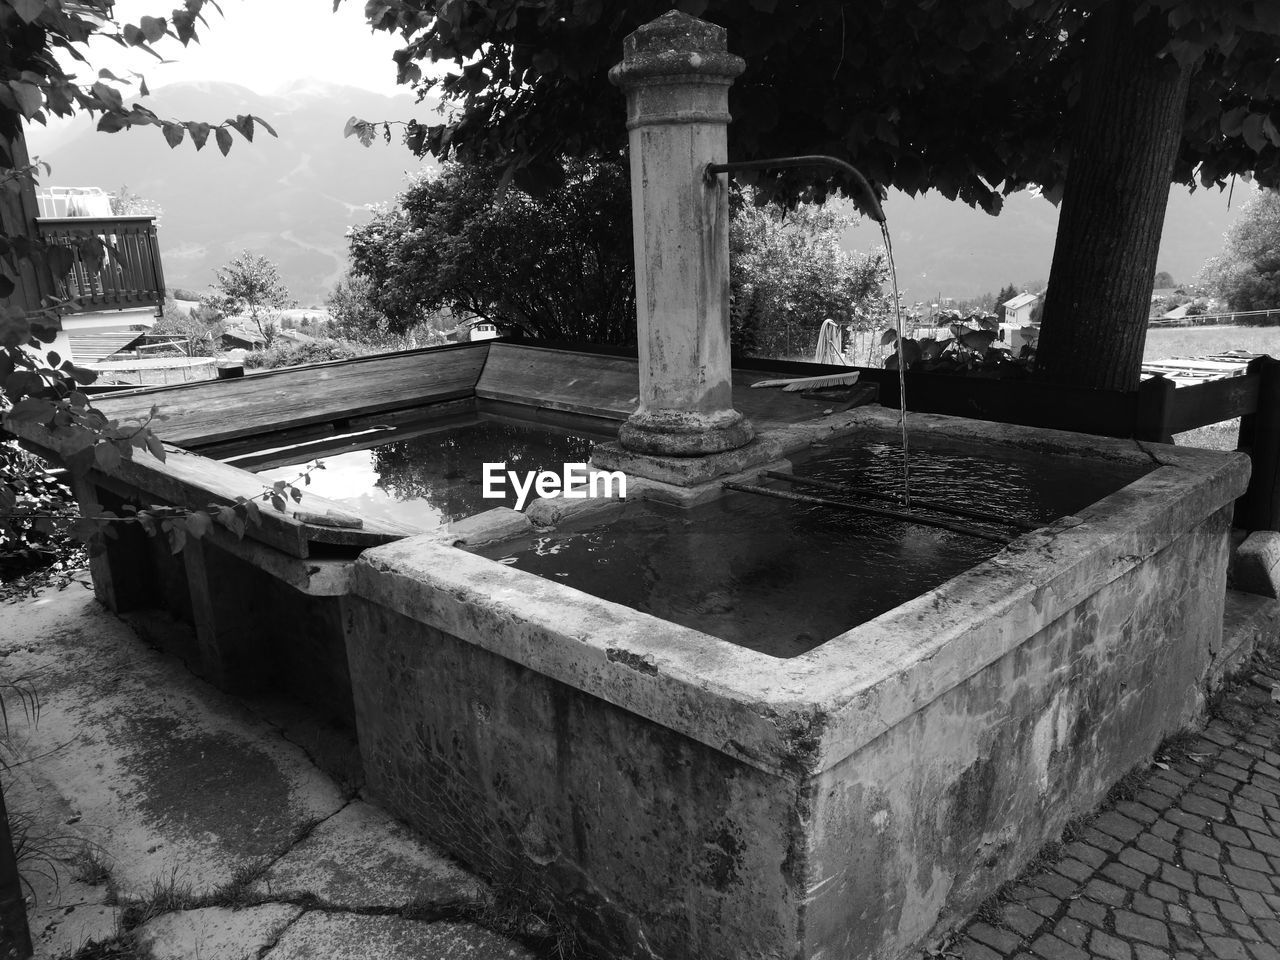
(869, 202)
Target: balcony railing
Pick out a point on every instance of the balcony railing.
(110, 262)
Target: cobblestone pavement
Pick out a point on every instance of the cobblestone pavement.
(1182, 863)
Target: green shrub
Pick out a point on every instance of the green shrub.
(293, 354)
(35, 526)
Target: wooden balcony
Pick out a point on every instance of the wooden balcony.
(111, 263)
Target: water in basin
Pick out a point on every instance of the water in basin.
(782, 577)
(429, 475)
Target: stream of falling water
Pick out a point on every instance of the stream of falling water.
(902, 367)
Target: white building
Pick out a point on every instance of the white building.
(1018, 310)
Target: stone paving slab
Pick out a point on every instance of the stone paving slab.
(187, 798)
(1183, 862)
(176, 783)
(216, 933)
(361, 858)
(64, 910)
(347, 936)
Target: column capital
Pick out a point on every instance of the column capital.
(676, 48)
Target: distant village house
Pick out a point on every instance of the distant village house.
(1017, 330)
(477, 328)
(1017, 312)
(243, 337)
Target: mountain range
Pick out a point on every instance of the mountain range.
(292, 198)
(952, 250)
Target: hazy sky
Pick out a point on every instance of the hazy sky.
(259, 44)
(263, 44)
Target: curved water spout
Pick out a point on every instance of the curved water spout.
(869, 202)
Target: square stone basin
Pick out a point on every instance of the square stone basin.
(671, 794)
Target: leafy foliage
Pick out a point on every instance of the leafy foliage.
(970, 99)
(1006, 294)
(37, 37)
(282, 354)
(250, 283)
(557, 266)
(86, 439)
(976, 100)
(34, 531)
(972, 350)
(35, 85)
(199, 326)
(353, 315)
(1247, 274)
(126, 203)
(788, 273)
(38, 388)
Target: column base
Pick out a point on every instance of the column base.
(681, 433)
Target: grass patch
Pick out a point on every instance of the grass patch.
(1165, 342)
(89, 865)
(1128, 786)
(1075, 828)
(989, 912)
(1216, 436)
(38, 851)
(167, 894)
(122, 947)
(1178, 746)
(236, 892)
(1045, 857)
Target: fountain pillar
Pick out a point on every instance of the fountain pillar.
(676, 72)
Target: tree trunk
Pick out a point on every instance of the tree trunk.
(18, 212)
(1125, 136)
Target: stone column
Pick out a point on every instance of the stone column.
(676, 73)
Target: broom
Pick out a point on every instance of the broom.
(796, 384)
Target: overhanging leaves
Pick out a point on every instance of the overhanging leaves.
(28, 10)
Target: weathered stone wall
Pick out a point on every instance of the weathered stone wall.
(654, 843)
(651, 843)
(914, 830)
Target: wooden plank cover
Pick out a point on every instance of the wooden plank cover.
(608, 386)
(603, 386)
(769, 407)
(219, 410)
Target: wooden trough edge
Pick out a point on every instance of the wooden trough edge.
(193, 482)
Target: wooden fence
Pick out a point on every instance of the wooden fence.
(1248, 317)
